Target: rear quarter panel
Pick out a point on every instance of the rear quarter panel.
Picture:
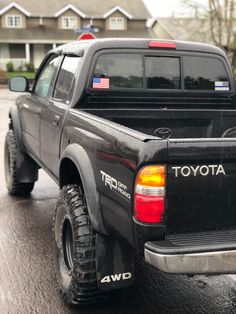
(115, 153)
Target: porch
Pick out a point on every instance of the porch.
(22, 53)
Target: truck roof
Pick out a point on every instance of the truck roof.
(79, 47)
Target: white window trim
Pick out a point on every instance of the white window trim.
(16, 6)
(13, 16)
(63, 24)
(116, 26)
(70, 7)
(117, 8)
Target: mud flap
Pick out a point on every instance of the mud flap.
(26, 168)
(115, 266)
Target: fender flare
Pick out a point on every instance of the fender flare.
(79, 157)
(15, 124)
(26, 167)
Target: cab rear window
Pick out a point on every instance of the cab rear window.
(202, 73)
(140, 71)
(162, 72)
(118, 71)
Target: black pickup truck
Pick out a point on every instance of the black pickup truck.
(140, 135)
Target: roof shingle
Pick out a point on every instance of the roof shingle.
(92, 8)
(50, 35)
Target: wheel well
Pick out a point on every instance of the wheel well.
(69, 173)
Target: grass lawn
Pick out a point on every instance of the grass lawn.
(29, 75)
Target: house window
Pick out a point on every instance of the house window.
(17, 51)
(117, 23)
(69, 22)
(13, 21)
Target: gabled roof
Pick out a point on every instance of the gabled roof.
(70, 7)
(187, 29)
(16, 6)
(92, 8)
(117, 8)
(190, 29)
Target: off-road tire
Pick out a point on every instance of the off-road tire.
(73, 233)
(10, 161)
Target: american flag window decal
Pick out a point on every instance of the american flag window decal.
(101, 82)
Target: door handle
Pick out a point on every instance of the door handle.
(56, 120)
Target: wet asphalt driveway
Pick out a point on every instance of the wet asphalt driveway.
(27, 282)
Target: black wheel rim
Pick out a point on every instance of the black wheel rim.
(67, 244)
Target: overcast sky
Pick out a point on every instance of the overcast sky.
(167, 7)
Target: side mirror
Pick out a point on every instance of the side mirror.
(19, 84)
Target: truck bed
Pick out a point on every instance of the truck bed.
(196, 115)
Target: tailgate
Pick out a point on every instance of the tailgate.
(201, 185)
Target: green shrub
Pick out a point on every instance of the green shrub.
(29, 67)
(10, 66)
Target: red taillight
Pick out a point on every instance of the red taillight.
(162, 44)
(149, 198)
(149, 209)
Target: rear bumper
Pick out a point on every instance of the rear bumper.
(223, 262)
(194, 253)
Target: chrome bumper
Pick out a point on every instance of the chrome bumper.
(220, 262)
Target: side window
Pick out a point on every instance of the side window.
(163, 72)
(202, 73)
(66, 79)
(45, 77)
(118, 71)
